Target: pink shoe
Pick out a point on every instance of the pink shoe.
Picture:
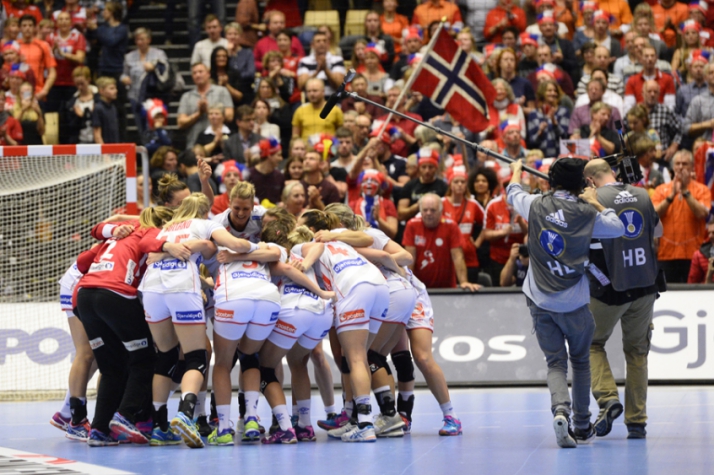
(60, 422)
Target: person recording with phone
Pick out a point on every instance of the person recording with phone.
(516, 268)
(623, 287)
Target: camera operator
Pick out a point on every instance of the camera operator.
(623, 290)
(560, 227)
(516, 268)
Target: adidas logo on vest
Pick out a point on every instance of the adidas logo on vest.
(557, 218)
(624, 197)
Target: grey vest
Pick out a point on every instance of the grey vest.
(559, 233)
(631, 260)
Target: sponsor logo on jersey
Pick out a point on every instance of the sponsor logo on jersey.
(351, 315)
(324, 334)
(552, 242)
(130, 268)
(172, 264)
(634, 222)
(418, 313)
(296, 289)
(557, 218)
(66, 300)
(274, 317)
(190, 316)
(225, 314)
(134, 345)
(103, 266)
(419, 241)
(248, 275)
(340, 266)
(96, 343)
(286, 327)
(625, 197)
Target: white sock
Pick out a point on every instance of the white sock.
(405, 395)
(224, 417)
(349, 407)
(303, 413)
(281, 414)
(65, 412)
(251, 403)
(448, 409)
(295, 407)
(157, 405)
(363, 400)
(381, 389)
(330, 409)
(200, 409)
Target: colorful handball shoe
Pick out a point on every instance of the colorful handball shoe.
(333, 421)
(282, 437)
(78, 432)
(204, 428)
(98, 438)
(274, 426)
(240, 428)
(188, 431)
(119, 426)
(407, 424)
(342, 430)
(452, 426)
(360, 434)
(391, 425)
(222, 438)
(145, 427)
(251, 430)
(305, 434)
(60, 422)
(160, 438)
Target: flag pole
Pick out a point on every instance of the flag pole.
(473, 145)
(414, 75)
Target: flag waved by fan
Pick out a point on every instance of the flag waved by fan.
(453, 80)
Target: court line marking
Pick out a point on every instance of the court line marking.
(57, 464)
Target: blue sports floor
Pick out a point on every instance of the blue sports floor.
(506, 431)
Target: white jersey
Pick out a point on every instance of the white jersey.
(394, 281)
(247, 280)
(294, 296)
(67, 283)
(252, 228)
(172, 275)
(342, 268)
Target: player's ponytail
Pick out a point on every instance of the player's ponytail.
(300, 235)
(347, 217)
(276, 232)
(318, 220)
(169, 184)
(194, 206)
(155, 217)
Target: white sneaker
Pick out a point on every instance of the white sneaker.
(340, 431)
(563, 434)
(386, 424)
(360, 435)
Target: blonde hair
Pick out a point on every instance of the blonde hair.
(641, 144)
(243, 190)
(196, 205)
(598, 106)
(320, 220)
(347, 217)
(288, 189)
(234, 26)
(535, 153)
(155, 216)
(105, 81)
(300, 235)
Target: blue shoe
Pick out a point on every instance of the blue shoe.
(365, 434)
(251, 430)
(333, 421)
(98, 438)
(119, 426)
(452, 426)
(145, 427)
(160, 438)
(188, 431)
(78, 432)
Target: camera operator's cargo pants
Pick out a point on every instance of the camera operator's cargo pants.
(636, 321)
(553, 329)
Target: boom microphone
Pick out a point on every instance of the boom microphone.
(335, 98)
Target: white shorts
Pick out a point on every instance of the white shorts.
(401, 306)
(301, 326)
(254, 318)
(363, 308)
(423, 315)
(66, 301)
(184, 308)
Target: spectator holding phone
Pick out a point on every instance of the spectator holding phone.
(516, 268)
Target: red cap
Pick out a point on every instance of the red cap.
(427, 155)
(228, 167)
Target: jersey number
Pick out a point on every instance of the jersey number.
(181, 237)
(334, 250)
(108, 256)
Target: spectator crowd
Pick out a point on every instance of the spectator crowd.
(564, 74)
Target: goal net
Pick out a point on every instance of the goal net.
(50, 197)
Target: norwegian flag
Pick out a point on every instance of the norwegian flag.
(455, 82)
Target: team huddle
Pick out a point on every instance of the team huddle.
(273, 287)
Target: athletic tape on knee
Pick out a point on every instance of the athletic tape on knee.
(165, 364)
(376, 361)
(249, 362)
(267, 376)
(404, 365)
(344, 366)
(197, 360)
